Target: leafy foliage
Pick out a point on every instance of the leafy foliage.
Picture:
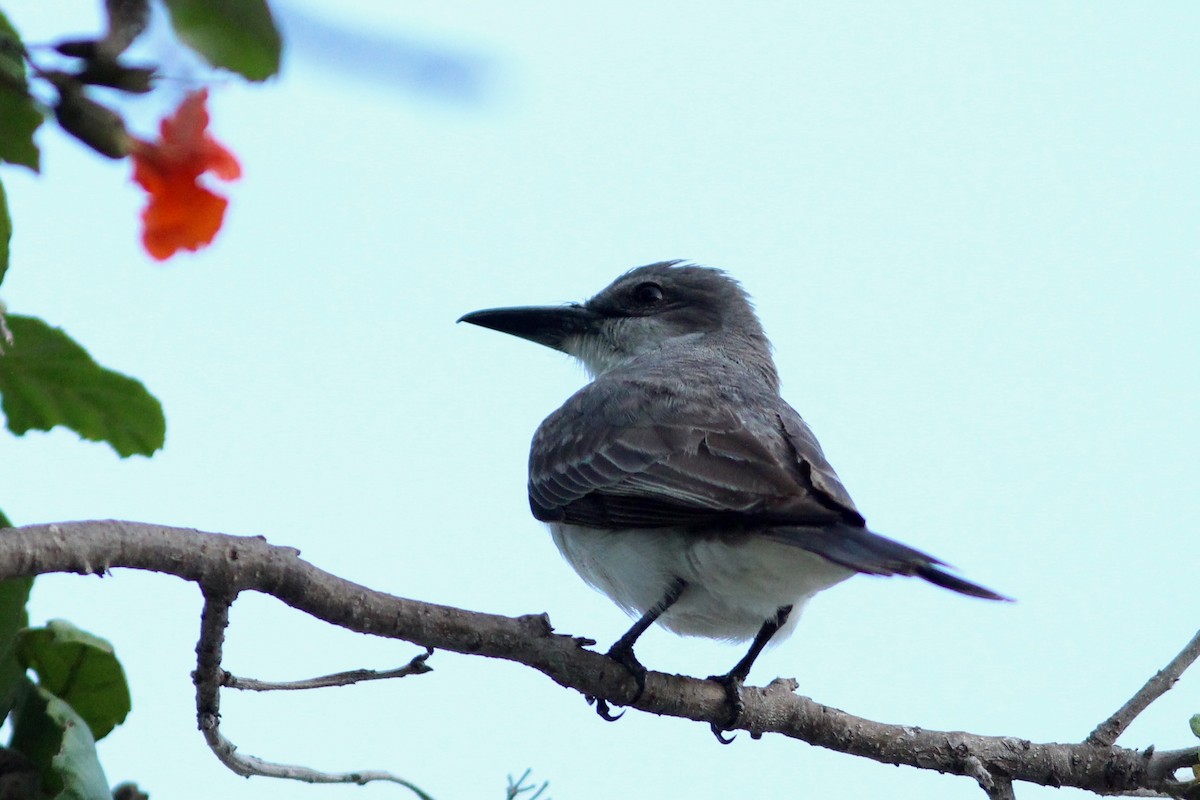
(5, 232)
(14, 594)
(79, 668)
(59, 743)
(80, 697)
(238, 35)
(19, 116)
(47, 379)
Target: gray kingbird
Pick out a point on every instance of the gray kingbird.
(678, 482)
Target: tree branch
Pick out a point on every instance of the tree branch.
(415, 667)
(224, 566)
(208, 678)
(1000, 789)
(1107, 732)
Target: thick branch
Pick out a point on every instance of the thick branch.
(226, 565)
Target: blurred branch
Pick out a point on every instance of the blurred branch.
(518, 787)
(387, 59)
(224, 566)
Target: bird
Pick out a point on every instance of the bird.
(678, 481)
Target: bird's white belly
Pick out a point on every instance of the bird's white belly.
(734, 582)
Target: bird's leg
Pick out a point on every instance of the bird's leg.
(733, 680)
(622, 650)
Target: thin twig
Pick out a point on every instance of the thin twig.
(415, 667)
(517, 788)
(207, 677)
(1107, 732)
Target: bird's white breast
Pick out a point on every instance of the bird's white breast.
(735, 582)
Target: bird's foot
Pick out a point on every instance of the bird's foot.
(623, 655)
(733, 694)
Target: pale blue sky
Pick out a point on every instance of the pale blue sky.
(971, 233)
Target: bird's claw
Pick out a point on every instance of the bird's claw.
(602, 709)
(625, 657)
(719, 732)
(733, 694)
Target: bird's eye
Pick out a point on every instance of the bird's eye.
(647, 294)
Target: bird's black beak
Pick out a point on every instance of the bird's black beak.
(546, 325)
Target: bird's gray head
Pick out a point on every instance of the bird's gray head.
(645, 309)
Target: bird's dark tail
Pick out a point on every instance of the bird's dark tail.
(863, 551)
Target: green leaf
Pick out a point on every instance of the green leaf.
(47, 379)
(57, 740)
(1195, 723)
(239, 35)
(5, 232)
(81, 669)
(19, 115)
(14, 594)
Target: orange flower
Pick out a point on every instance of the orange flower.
(182, 214)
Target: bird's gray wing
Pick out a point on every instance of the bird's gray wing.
(624, 454)
(808, 453)
(850, 544)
